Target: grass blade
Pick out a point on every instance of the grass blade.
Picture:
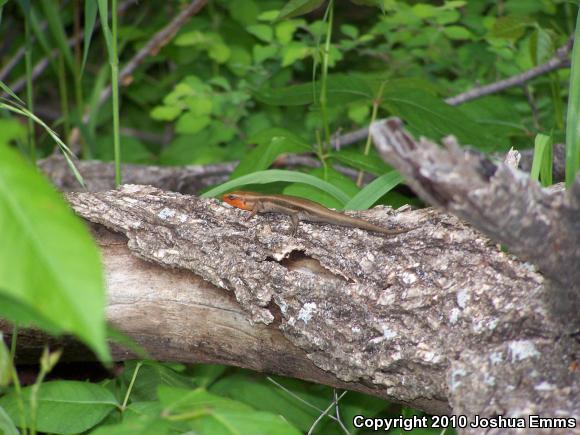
(573, 118)
(273, 175)
(90, 19)
(373, 191)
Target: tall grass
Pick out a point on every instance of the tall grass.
(573, 117)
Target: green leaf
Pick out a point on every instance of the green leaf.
(433, 118)
(219, 52)
(264, 52)
(271, 143)
(457, 32)
(48, 260)
(341, 89)
(189, 123)
(64, 407)
(510, 28)
(273, 175)
(261, 31)
(573, 116)
(199, 105)
(151, 375)
(5, 367)
(244, 12)
(298, 7)
(53, 14)
(374, 191)
(142, 425)
(541, 46)
(165, 113)
(330, 175)
(294, 51)
(356, 159)
(542, 162)
(90, 19)
(7, 426)
(212, 414)
(104, 16)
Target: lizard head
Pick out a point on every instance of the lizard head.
(243, 200)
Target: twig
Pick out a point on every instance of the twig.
(325, 412)
(560, 60)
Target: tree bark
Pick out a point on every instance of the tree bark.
(440, 318)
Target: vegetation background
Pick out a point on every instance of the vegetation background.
(255, 81)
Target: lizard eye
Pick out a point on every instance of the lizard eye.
(232, 197)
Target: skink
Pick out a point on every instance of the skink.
(299, 209)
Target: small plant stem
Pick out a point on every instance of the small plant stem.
(374, 114)
(115, 93)
(63, 97)
(29, 91)
(16, 381)
(128, 394)
(324, 79)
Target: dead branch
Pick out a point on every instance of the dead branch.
(408, 317)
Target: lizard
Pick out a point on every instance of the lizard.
(300, 209)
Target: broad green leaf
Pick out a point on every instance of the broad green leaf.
(142, 425)
(294, 51)
(90, 19)
(433, 118)
(341, 89)
(5, 366)
(179, 400)
(541, 46)
(245, 11)
(298, 7)
(264, 52)
(273, 175)
(457, 32)
(150, 376)
(165, 113)
(199, 105)
(206, 374)
(11, 129)
(356, 159)
(270, 144)
(188, 123)
(48, 260)
(219, 52)
(373, 191)
(261, 31)
(510, 28)
(285, 30)
(7, 426)
(64, 407)
(212, 414)
(573, 116)
(229, 422)
(359, 113)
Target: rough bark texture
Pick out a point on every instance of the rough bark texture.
(439, 318)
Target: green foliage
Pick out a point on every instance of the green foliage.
(259, 82)
(58, 401)
(50, 269)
